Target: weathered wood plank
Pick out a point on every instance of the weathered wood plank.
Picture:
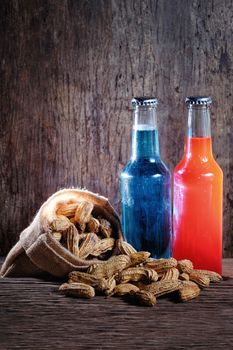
(68, 71)
(33, 315)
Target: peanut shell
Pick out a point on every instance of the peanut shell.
(171, 274)
(185, 265)
(122, 289)
(67, 209)
(202, 280)
(88, 245)
(135, 274)
(143, 298)
(162, 287)
(124, 247)
(213, 276)
(78, 290)
(83, 214)
(109, 268)
(161, 265)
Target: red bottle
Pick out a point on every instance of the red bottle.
(198, 190)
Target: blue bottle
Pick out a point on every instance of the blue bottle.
(146, 186)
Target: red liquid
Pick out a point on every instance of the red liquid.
(197, 218)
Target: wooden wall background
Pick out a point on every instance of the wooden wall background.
(69, 69)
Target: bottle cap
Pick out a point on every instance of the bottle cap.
(198, 100)
(144, 101)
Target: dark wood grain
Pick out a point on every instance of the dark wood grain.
(33, 315)
(68, 72)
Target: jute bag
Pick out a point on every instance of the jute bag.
(38, 252)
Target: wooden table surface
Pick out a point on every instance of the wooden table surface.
(33, 315)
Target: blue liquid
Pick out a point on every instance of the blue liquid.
(146, 197)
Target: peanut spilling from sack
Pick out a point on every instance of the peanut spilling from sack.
(119, 270)
(84, 235)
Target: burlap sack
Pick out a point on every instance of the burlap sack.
(38, 252)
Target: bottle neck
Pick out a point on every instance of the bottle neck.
(145, 141)
(198, 138)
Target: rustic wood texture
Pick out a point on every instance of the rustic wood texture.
(33, 315)
(68, 72)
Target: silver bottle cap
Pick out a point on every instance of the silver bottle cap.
(198, 100)
(144, 101)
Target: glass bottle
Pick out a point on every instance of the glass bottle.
(198, 187)
(146, 186)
